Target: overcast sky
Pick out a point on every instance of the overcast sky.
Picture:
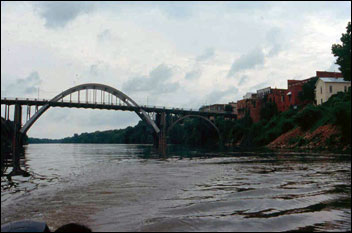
(177, 54)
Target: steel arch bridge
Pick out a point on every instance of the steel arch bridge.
(95, 87)
(156, 117)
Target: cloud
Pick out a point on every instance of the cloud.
(194, 74)
(247, 61)
(156, 82)
(208, 53)
(176, 10)
(334, 67)
(256, 57)
(217, 95)
(105, 35)
(243, 80)
(93, 70)
(59, 14)
(26, 87)
(259, 86)
(274, 40)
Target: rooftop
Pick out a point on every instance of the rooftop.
(334, 80)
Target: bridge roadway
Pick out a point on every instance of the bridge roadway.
(111, 106)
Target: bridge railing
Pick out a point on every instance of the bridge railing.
(107, 103)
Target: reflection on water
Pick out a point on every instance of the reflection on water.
(131, 188)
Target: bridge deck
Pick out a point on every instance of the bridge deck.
(106, 106)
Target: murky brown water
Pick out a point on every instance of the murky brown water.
(127, 188)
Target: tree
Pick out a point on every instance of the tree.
(343, 53)
(228, 108)
(268, 110)
(307, 93)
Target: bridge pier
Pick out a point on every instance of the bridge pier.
(162, 134)
(160, 141)
(17, 143)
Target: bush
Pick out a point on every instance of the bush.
(287, 125)
(342, 113)
(308, 116)
(228, 108)
(307, 93)
(268, 111)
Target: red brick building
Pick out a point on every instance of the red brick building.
(249, 106)
(326, 74)
(277, 96)
(283, 98)
(294, 87)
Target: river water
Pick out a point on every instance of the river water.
(131, 188)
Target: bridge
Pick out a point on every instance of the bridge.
(100, 96)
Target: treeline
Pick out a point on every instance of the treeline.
(139, 134)
(243, 132)
(194, 132)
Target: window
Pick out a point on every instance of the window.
(321, 101)
(321, 90)
(330, 89)
(345, 88)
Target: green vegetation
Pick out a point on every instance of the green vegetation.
(307, 94)
(268, 110)
(197, 132)
(139, 134)
(228, 108)
(336, 111)
(343, 53)
(308, 116)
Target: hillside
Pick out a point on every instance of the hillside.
(327, 126)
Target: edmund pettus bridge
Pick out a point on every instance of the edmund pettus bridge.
(96, 96)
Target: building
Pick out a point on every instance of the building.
(327, 74)
(294, 88)
(273, 95)
(325, 87)
(284, 99)
(230, 107)
(213, 108)
(234, 107)
(251, 107)
(280, 98)
(249, 95)
(262, 92)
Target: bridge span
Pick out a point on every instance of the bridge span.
(100, 96)
(111, 106)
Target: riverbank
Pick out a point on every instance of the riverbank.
(326, 137)
(323, 127)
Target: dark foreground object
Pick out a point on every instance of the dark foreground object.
(33, 226)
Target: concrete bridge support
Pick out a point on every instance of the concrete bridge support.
(162, 134)
(17, 143)
(160, 141)
(16, 138)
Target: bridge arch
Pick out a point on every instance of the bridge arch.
(91, 86)
(195, 116)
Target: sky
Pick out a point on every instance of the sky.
(173, 54)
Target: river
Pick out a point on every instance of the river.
(131, 188)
